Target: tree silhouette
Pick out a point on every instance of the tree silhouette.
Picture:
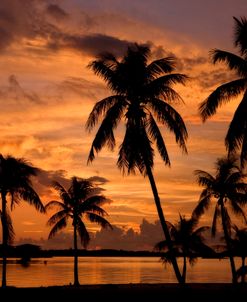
(228, 189)
(142, 93)
(15, 185)
(187, 241)
(240, 247)
(236, 137)
(78, 202)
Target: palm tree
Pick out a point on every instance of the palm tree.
(228, 189)
(240, 245)
(142, 92)
(79, 201)
(236, 137)
(187, 240)
(15, 185)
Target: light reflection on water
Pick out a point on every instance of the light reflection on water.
(112, 270)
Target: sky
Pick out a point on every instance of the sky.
(47, 92)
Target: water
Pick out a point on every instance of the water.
(112, 270)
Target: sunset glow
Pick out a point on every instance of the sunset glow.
(47, 92)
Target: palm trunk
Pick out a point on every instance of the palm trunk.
(243, 265)
(4, 240)
(184, 269)
(228, 243)
(76, 280)
(163, 224)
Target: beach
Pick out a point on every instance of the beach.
(209, 292)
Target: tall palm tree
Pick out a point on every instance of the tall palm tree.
(15, 185)
(236, 137)
(187, 240)
(229, 190)
(240, 246)
(78, 202)
(142, 92)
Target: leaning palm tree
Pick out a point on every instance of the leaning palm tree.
(187, 240)
(15, 185)
(78, 202)
(236, 138)
(142, 96)
(229, 190)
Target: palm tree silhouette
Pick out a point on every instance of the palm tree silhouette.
(229, 190)
(79, 201)
(236, 137)
(187, 241)
(142, 93)
(15, 185)
(240, 246)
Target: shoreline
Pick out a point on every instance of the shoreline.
(204, 292)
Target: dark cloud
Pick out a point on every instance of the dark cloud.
(27, 20)
(92, 44)
(216, 78)
(45, 178)
(99, 180)
(56, 12)
(43, 181)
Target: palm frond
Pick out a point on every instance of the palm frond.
(83, 233)
(105, 134)
(240, 34)
(161, 246)
(156, 135)
(237, 210)
(62, 223)
(203, 204)
(215, 220)
(233, 61)
(167, 115)
(161, 87)
(63, 194)
(219, 96)
(99, 220)
(28, 194)
(100, 108)
(237, 129)
(204, 178)
(160, 66)
(95, 200)
(57, 217)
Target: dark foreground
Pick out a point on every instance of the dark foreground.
(130, 292)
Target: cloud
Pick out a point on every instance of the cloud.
(26, 22)
(56, 12)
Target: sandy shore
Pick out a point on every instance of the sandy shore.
(131, 292)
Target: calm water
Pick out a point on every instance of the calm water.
(103, 270)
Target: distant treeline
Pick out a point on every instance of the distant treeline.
(28, 251)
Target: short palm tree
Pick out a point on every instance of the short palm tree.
(15, 185)
(229, 190)
(187, 240)
(78, 202)
(240, 246)
(236, 137)
(142, 92)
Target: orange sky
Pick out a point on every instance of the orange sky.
(47, 93)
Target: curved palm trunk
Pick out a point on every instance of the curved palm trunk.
(4, 240)
(76, 279)
(228, 243)
(184, 268)
(163, 224)
(243, 265)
